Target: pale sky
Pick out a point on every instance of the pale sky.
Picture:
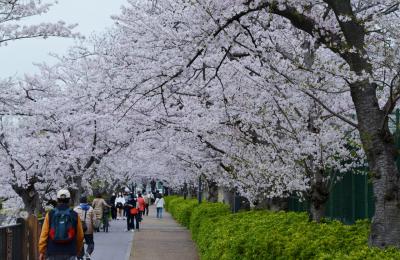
(91, 15)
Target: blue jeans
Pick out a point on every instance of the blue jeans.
(159, 212)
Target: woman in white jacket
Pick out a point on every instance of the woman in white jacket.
(119, 204)
(159, 205)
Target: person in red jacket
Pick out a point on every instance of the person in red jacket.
(141, 205)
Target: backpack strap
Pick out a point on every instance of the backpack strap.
(50, 217)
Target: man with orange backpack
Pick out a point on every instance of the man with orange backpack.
(62, 233)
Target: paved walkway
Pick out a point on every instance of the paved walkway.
(162, 239)
(114, 245)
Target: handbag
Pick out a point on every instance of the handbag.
(133, 211)
(84, 225)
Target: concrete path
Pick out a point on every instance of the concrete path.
(114, 245)
(162, 239)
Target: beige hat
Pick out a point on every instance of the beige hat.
(63, 194)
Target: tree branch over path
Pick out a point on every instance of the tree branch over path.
(355, 125)
(210, 145)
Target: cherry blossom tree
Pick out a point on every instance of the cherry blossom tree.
(12, 14)
(216, 79)
(22, 165)
(268, 97)
(330, 52)
(355, 34)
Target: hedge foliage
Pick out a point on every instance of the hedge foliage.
(271, 235)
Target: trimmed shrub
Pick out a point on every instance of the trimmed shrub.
(265, 235)
(182, 209)
(184, 212)
(168, 199)
(205, 211)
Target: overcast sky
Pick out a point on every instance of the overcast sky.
(91, 15)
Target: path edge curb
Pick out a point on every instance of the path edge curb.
(128, 252)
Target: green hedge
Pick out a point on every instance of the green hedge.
(181, 209)
(168, 199)
(271, 235)
(208, 211)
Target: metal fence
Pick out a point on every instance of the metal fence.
(351, 199)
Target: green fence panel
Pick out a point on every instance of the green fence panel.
(351, 198)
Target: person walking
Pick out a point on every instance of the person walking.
(88, 218)
(141, 206)
(106, 218)
(113, 198)
(159, 205)
(62, 234)
(158, 194)
(147, 201)
(126, 198)
(119, 204)
(132, 214)
(98, 205)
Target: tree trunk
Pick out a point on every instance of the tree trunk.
(273, 204)
(318, 195)
(76, 191)
(75, 196)
(192, 192)
(31, 202)
(235, 201)
(30, 197)
(212, 194)
(185, 190)
(381, 153)
(317, 212)
(228, 197)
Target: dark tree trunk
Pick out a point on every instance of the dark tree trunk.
(273, 204)
(30, 197)
(235, 201)
(192, 192)
(77, 191)
(75, 196)
(381, 153)
(31, 202)
(317, 212)
(318, 195)
(228, 197)
(185, 191)
(212, 194)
